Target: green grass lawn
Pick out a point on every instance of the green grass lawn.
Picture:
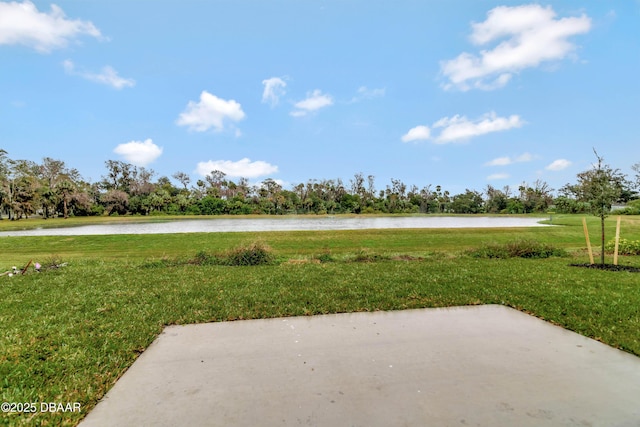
(66, 335)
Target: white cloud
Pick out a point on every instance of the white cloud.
(530, 34)
(364, 93)
(459, 128)
(418, 133)
(242, 168)
(107, 76)
(313, 102)
(500, 161)
(504, 161)
(210, 112)
(23, 24)
(139, 153)
(524, 157)
(497, 176)
(273, 90)
(558, 165)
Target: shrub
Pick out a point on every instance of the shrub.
(629, 210)
(489, 251)
(256, 253)
(632, 208)
(625, 247)
(517, 249)
(203, 258)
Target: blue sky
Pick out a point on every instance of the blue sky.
(454, 93)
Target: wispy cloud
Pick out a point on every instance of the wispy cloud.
(313, 102)
(242, 168)
(139, 153)
(108, 76)
(273, 90)
(558, 165)
(498, 176)
(459, 128)
(531, 34)
(418, 133)
(364, 93)
(210, 112)
(23, 24)
(504, 161)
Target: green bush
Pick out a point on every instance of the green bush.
(632, 208)
(489, 251)
(625, 247)
(256, 253)
(204, 258)
(517, 249)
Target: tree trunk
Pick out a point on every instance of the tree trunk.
(602, 240)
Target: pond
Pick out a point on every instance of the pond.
(282, 224)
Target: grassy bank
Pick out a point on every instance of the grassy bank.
(67, 334)
(18, 250)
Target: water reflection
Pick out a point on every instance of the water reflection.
(282, 224)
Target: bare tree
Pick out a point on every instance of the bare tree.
(636, 169)
(182, 178)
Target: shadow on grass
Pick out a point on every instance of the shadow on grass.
(609, 267)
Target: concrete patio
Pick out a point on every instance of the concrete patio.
(475, 366)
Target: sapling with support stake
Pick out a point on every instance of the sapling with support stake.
(600, 186)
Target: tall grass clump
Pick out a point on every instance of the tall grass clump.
(517, 249)
(365, 255)
(325, 257)
(204, 258)
(256, 253)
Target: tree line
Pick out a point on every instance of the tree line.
(52, 189)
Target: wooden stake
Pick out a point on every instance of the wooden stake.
(615, 252)
(24, 270)
(586, 235)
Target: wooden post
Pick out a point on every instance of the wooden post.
(24, 270)
(615, 251)
(586, 235)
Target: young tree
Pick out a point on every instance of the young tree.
(600, 186)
